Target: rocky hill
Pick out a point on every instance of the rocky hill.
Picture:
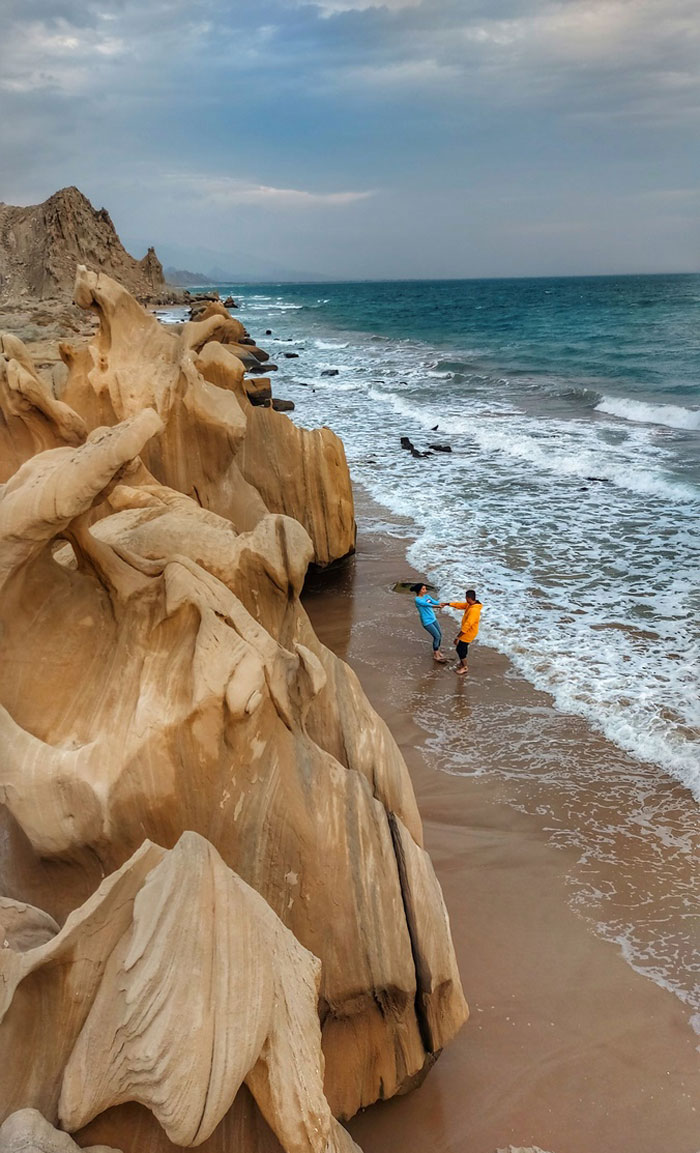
(42, 244)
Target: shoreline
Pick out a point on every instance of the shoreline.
(568, 1047)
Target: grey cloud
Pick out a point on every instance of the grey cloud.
(192, 121)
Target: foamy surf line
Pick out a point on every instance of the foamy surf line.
(670, 415)
(568, 459)
(542, 467)
(578, 671)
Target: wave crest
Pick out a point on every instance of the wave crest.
(639, 411)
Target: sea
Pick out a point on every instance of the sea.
(569, 499)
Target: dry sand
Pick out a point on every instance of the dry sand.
(567, 1047)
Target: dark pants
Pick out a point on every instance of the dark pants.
(434, 630)
(462, 650)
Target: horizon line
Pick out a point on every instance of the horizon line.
(432, 279)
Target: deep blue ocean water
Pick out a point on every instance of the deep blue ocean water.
(571, 501)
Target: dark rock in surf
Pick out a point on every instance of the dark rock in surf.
(330, 372)
(259, 391)
(407, 587)
(440, 447)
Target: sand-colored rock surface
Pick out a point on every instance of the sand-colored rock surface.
(23, 927)
(243, 991)
(159, 675)
(214, 439)
(26, 1131)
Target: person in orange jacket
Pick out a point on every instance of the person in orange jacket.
(468, 628)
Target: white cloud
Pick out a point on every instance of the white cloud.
(228, 192)
(333, 7)
(412, 73)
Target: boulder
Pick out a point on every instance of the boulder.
(282, 405)
(258, 391)
(244, 993)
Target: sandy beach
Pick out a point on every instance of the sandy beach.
(567, 1047)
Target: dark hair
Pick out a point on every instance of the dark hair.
(471, 595)
(417, 587)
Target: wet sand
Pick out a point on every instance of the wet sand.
(567, 1047)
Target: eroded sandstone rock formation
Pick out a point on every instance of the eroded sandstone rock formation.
(160, 675)
(231, 457)
(242, 991)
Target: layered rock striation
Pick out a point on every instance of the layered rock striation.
(256, 943)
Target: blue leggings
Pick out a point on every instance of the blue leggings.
(434, 630)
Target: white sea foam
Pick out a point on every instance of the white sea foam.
(516, 502)
(281, 307)
(670, 415)
(571, 452)
(563, 456)
(176, 314)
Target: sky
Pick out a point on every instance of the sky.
(359, 139)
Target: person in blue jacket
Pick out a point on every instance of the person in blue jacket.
(425, 605)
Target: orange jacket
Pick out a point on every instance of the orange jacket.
(470, 621)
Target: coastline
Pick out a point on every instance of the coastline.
(568, 1047)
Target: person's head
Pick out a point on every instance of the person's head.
(419, 589)
(470, 595)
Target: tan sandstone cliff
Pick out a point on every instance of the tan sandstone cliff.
(160, 675)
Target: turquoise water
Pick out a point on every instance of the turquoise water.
(571, 497)
(640, 332)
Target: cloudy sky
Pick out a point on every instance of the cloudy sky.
(359, 138)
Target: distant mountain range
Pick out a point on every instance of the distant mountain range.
(203, 266)
(183, 278)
